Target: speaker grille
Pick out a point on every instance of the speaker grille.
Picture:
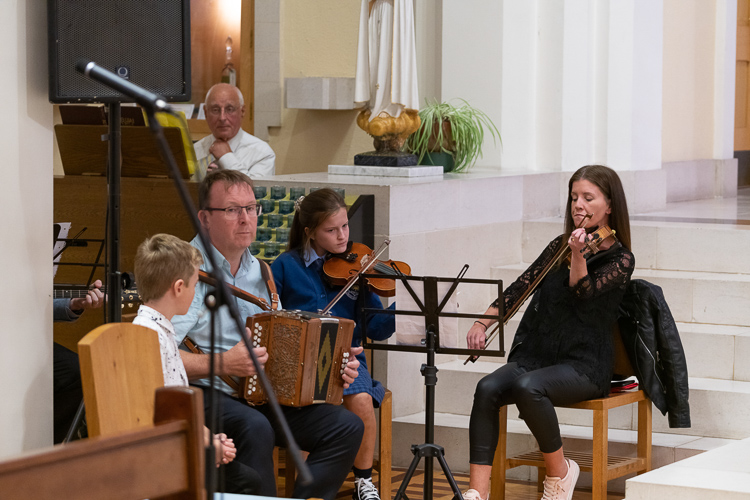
(149, 40)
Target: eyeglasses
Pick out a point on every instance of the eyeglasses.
(233, 213)
(216, 110)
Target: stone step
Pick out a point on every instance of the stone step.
(693, 297)
(702, 247)
(718, 407)
(718, 474)
(712, 351)
(716, 351)
(451, 432)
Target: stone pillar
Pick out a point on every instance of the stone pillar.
(567, 83)
(26, 249)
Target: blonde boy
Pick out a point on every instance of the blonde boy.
(166, 272)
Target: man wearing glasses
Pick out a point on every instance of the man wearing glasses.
(332, 435)
(229, 147)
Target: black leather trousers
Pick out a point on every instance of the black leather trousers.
(535, 393)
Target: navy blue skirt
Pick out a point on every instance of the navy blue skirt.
(365, 383)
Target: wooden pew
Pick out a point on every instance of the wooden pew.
(163, 461)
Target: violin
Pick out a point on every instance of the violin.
(594, 240)
(341, 267)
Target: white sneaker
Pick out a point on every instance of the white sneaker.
(473, 494)
(556, 488)
(364, 489)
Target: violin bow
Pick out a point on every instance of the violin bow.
(353, 278)
(559, 255)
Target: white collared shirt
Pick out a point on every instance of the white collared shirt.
(250, 155)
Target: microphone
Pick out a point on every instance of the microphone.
(140, 95)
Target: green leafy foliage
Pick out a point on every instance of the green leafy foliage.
(463, 138)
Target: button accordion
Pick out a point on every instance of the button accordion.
(307, 354)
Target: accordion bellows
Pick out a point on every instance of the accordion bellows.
(307, 354)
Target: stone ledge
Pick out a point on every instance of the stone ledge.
(722, 474)
(319, 93)
(414, 171)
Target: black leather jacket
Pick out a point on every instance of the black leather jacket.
(653, 345)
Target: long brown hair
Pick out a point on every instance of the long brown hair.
(311, 212)
(609, 183)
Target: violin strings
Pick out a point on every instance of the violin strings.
(382, 268)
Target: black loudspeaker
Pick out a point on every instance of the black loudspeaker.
(144, 41)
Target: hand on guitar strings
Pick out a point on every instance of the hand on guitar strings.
(94, 299)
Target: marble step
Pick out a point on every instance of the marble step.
(718, 407)
(451, 432)
(716, 351)
(693, 297)
(681, 246)
(712, 351)
(718, 474)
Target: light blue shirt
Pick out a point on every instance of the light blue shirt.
(311, 256)
(197, 322)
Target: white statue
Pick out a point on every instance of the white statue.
(386, 78)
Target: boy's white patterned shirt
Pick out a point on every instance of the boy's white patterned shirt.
(171, 362)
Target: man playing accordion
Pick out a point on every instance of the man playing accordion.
(330, 433)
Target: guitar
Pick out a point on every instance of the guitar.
(130, 296)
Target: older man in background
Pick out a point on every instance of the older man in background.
(229, 147)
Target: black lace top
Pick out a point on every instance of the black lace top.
(571, 325)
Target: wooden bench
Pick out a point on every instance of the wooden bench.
(165, 460)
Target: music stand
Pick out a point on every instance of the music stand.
(83, 152)
(432, 310)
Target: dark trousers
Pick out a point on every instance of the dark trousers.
(67, 393)
(331, 435)
(535, 393)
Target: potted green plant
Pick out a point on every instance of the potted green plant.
(451, 134)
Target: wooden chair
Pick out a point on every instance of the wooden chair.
(120, 370)
(385, 456)
(602, 465)
(163, 460)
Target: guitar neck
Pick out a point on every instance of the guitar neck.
(72, 293)
(130, 297)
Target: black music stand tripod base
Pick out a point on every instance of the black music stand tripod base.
(427, 450)
(431, 310)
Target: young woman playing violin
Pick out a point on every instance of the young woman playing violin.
(562, 352)
(321, 229)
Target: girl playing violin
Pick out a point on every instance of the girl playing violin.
(321, 229)
(562, 352)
